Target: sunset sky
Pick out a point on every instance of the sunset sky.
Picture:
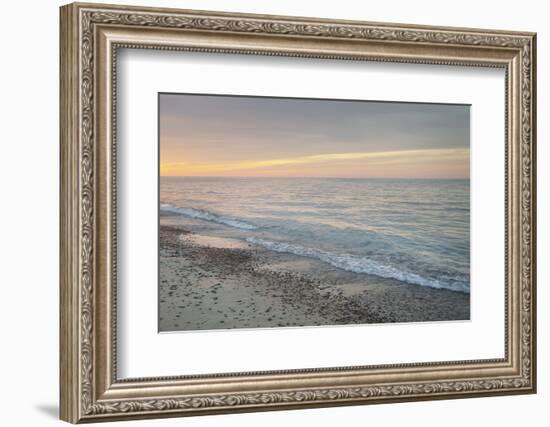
(208, 135)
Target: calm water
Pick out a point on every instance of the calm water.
(415, 231)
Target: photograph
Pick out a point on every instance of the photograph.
(290, 212)
(264, 210)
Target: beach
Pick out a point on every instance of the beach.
(208, 282)
(292, 212)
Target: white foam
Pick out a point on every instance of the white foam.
(208, 216)
(357, 264)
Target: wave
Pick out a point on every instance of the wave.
(208, 216)
(358, 264)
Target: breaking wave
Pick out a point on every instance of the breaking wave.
(357, 264)
(208, 216)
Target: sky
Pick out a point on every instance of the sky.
(209, 135)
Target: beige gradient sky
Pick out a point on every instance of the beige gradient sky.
(205, 135)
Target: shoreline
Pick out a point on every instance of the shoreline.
(208, 282)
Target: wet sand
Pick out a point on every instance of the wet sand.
(221, 283)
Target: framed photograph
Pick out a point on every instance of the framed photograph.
(266, 212)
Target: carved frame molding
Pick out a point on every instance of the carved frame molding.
(90, 36)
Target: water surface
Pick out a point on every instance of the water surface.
(413, 230)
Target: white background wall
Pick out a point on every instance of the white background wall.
(29, 170)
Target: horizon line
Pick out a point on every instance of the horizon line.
(313, 177)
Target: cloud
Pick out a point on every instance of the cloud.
(293, 164)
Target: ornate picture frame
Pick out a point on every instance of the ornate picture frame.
(90, 37)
